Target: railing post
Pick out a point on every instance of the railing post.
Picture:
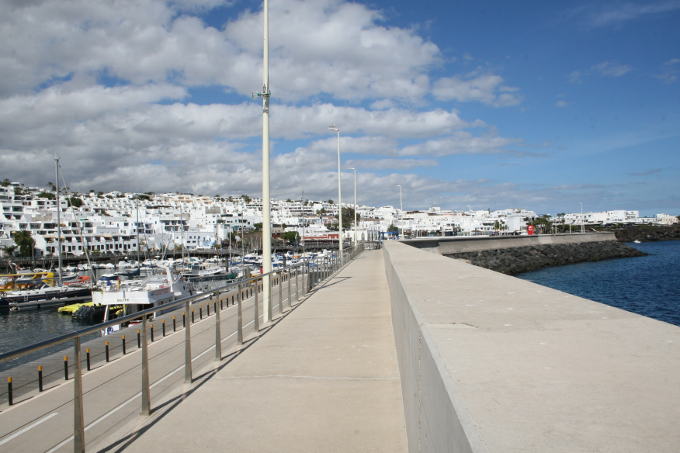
(290, 299)
(239, 327)
(270, 307)
(280, 292)
(297, 283)
(257, 309)
(309, 278)
(187, 345)
(218, 334)
(146, 387)
(78, 416)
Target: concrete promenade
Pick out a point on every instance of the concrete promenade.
(325, 378)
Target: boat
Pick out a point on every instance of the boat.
(203, 270)
(72, 308)
(637, 241)
(137, 295)
(47, 295)
(25, 280)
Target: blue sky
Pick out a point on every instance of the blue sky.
(538, 105)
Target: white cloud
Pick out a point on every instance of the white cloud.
(486, 88)
(321, 46)
(106, 86)
(459, 143)
(393, 164)
(295, 122)
(561, 103)
(612, 69)
(620, 13)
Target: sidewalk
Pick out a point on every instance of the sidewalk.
(325, 379)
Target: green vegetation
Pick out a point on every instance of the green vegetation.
(348, 217)
(25, 242)
(5, 182)
(76, 202)
(292, 237)
(48, 195)
(392, 229)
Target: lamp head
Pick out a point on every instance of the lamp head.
(333, 128)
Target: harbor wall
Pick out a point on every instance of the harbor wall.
(514, 255)
(462, 244)
(492, 363)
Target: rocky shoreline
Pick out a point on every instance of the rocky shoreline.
(647, 233)
(516, 260)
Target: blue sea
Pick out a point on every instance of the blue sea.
(647, 285)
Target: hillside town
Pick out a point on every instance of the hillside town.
(118, 222)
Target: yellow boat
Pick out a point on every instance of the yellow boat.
(70, 309)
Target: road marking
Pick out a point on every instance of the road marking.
(26, 428)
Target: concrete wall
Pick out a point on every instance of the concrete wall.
(459, 244)
(491, 363)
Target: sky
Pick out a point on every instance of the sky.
(466, 105)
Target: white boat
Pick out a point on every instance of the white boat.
(204, 270)
(137, 295)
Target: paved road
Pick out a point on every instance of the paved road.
(112, 398)
(325, 379)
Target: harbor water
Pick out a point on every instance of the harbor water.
(22, 328)
(646, 285)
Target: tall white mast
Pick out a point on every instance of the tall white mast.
(56, 166)
(266, 208)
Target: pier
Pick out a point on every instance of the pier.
(400, 349)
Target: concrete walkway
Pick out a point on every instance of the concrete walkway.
(325, 379)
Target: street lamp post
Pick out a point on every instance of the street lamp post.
(335, 129)
(266, 199)
(401, 199)
(355, 205)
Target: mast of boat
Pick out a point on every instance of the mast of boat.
(86, 247)
(59, 275)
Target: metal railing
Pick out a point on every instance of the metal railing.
(304, 277)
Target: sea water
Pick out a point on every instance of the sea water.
(647, 285)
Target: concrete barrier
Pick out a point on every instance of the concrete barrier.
(460, 244)
(491, 363)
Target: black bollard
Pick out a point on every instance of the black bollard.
(152, 333)
(87, 358)
(66, 368)
(139, 339)
(163, 325)
(174, 324)
(122, 338)
(10, 395)
(106, 350)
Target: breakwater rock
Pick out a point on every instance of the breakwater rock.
(648, 233)
(516, 260)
